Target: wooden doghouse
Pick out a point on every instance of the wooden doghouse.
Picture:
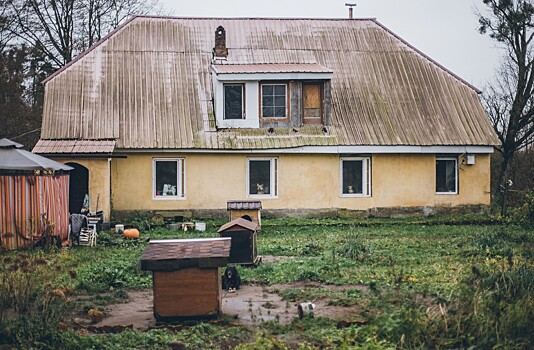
(240, 209)
(243, 233)
(186, 276)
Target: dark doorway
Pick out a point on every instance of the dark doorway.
(78, 187)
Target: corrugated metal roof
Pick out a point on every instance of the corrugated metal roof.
(149, 86)
(269, 68)
(74, 146)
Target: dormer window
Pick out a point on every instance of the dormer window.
(234, 101)
(271, 95)
(274, 100)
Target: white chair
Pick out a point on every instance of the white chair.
(88, 237)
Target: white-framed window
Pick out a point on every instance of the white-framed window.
(355, 176)
(274, 100)
(262, 177)
(168, 178)
(446, 175)
(234, 101)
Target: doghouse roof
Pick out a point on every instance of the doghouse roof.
(249, 225)
(175, 254)
(243, 205)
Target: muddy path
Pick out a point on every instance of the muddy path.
(250, 306)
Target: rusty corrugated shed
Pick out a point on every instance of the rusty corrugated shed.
(148, 85)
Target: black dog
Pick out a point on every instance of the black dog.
(231, 280)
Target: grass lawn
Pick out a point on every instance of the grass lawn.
(422, 284)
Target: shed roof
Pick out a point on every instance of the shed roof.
(74, 146)
(175, 254)
(148, 85)
(249, 225)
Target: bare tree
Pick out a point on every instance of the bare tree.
(99, 17)
(63, 28)
(6, 23)
(510, 100)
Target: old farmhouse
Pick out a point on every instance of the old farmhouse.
(309, 116)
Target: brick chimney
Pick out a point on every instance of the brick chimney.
(220, 50)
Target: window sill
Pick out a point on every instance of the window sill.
(169, 198)
(355, 195)
(264, 196)
(274, 119)
(446, 193)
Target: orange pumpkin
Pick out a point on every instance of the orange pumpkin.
(131, 233)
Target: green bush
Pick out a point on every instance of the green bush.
(523, 214)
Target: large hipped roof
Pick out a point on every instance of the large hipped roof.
(148, 85)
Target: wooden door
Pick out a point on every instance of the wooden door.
(313, 103)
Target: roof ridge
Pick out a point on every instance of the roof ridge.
(259, 18)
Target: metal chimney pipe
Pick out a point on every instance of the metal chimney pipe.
(350, 6)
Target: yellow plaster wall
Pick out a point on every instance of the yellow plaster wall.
(305, 181)
(99, 182)
(409, 180)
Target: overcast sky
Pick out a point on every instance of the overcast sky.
(445, 30)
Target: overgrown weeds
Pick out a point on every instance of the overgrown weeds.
(492, 307)
(31, 302)
(355, 249)
(428, 287)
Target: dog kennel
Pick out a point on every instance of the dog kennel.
(245, 209)
(244, 250)
(186, 276)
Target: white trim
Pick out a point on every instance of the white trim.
(180, 179)
(250, 105)
(272, 76)
(456, 174)
(188, 240)
(274, 168)
(366, 177)
(329, 150)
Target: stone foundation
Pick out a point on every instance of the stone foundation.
(389, 212)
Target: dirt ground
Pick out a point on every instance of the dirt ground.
(250, 305)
